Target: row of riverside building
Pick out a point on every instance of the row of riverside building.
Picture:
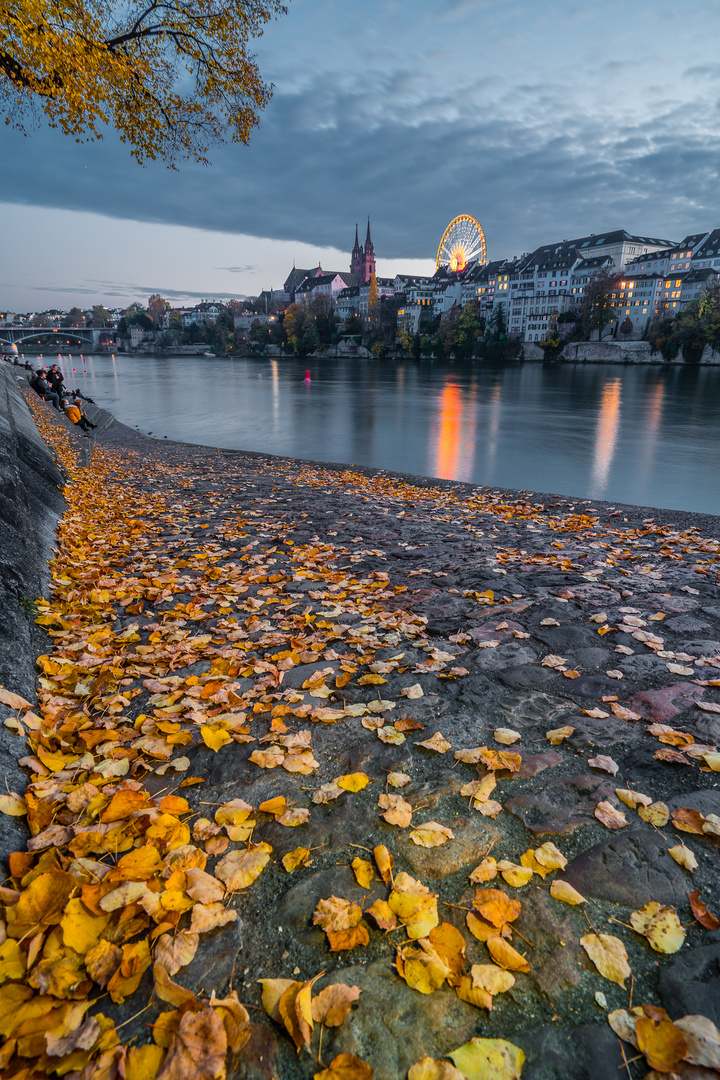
(656, 275)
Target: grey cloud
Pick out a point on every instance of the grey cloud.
(237, 269)
(531, 164)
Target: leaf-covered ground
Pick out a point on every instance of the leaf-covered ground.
(342, 774)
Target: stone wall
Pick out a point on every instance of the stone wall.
(613, 352)
(31, 502)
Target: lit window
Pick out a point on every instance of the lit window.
(677, 283)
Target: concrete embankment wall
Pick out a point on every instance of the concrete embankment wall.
(31, 502)
(615, 352)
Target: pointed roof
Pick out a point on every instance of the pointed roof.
(368, 241)
(357, 241)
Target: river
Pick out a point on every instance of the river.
(643, 435)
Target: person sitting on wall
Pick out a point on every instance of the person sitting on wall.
(41, 387)
(83, 397)
(75, 414)
(55, 378)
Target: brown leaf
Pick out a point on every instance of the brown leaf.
(240, 868)
(383, 915)
(609, 816)
(296, 1013)
(701, 913)
(197, 1050)
(432, 1069)
(176, 952)
(504, 955)
(340, 940)
(689, 821)
(332, 1005)
(345, 1067)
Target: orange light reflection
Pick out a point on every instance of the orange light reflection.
(606, 437)
(454, 449)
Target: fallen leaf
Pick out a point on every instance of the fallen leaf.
(663, 1044)
(563, 890)
(689, 821)
(485, 871)
(384, 861)
(504, 954)
(608, 955)
(398, 779)
(602, 761)
(353, 781)
(414, 905)
(500, 759)
(492, 979)
(558, 735)
(13, 804)
(240, 868)
(701, 913)
(432, 1069)
(397, 810)
(197, 1049)
(489, 1059)
(292, 818)
(345, 1067)
(363, 871)
(513, 874)
(299, 856)
(170, 991)
(332, 1005)
(632, 798)
(655, 814)
(606, 813)
(422, 968)
(383, 915)
(506, 736)
(207, 917)
(174, 952)
(438, 743)
(415, 691)
(660, 925)
(431, 834)
(13, 701)
(703, 1041)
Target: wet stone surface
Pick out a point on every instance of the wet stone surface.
(324, 576)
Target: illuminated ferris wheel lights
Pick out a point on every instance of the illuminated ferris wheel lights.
(463, 242)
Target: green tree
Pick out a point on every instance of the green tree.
(277, 331)
(100, 316)
(41, 319)
(259, 333)
(497, 326)
(172, 78)
(450, 331)
(626, 326)
(405, 338)
(471, 327)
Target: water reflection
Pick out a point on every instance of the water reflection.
(644, 435)
(453, 448)
(606, 435)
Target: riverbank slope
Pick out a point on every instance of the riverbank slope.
(255, 658)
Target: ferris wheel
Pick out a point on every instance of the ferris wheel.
(463, 242)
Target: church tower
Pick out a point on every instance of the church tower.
(357, 260)
(369, 256)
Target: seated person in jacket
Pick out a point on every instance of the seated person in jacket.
(74, 413)
(55, 378)
(41, 387)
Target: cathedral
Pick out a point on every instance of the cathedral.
(362, 263)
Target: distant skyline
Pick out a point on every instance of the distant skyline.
(544, 121)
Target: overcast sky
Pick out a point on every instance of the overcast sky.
(545, 120)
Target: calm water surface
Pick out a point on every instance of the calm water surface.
(644, 435)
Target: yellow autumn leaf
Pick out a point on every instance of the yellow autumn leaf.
(563, 890)
(632, 798)
(414, 905)
(363, 871)
(422, 968)
(299, 856)
(437, 742)
(514, 875)
(660, 925)
(489, 1059)
(656, 813)
(484, 871)
(278, 805)
(13, 804)
(684, 857)
(608, 955)
(506, 736)
(431, 834)
(558, 735)
(215, 738)
(504, 955)
(238, 869)
(432, 1069)
(353, 781)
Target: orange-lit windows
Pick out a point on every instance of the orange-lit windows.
(678, 284)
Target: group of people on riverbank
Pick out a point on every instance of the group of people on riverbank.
(49, 385)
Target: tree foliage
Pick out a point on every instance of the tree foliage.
(157, 308)
(172, 76)
(692, 330)
(596, 309)
(100, 316)
(74, 317)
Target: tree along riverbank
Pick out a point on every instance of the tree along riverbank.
(386, 739)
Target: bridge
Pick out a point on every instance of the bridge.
(54, 339)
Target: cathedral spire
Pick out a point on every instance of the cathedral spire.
(368, 241)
